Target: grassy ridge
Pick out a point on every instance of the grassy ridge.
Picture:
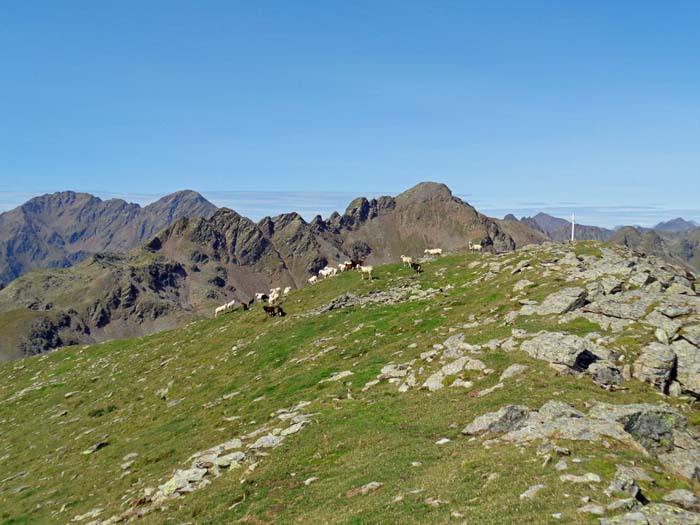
(357, 436)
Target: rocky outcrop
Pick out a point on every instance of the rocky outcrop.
(657, 429)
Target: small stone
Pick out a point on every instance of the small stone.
(589, 477)
(372, 486)
(268, 441)
(434, 382)
(512, 371)
(593, 508)
(531, 491)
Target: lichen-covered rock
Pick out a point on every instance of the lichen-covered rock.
(605, 373)
(651, 425)
(655, 514)
(434, 382)
(688, 363)
(655, 365)
(558, 303)
(563, 349)
(507, 419)
(513, 370)
(682, 497)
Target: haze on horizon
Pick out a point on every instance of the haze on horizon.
(590, 107)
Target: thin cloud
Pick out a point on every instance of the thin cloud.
(258, 204)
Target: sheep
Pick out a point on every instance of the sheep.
(313, 279)
(342, 267)
(328, 271)
(220, 309)
(406, 260)
(416, 267)
(348, 265)
(286, 290)
(433, 251)
(356, 262)
(365, 270)
(474, 247)
(272, 311)
(274, 297)
(261, 297)
(224, 308)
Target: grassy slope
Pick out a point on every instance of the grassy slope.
(372, 436)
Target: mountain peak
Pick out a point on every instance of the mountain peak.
(679, 224)
(427, 191)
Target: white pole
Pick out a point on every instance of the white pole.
(573, 227)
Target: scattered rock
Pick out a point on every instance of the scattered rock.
(682, 497)
(588, 477)
(372, 486)
(512, 371)
(531, 491)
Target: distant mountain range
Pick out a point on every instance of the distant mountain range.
(60, 229)
(557, 229)
(677, 225)
(201, 261)
(677, 240)
(113, 269)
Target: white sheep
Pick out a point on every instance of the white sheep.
(229, 305)
(433, 251)
(220, 310)
(365, 270)
(474, 247)
(260, 296)
(406, 260)
(341, 267)
(313, 279)
(286, 291)
(328, 272)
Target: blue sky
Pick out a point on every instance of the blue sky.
(589, 106)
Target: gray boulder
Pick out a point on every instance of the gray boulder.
(507, 419)
(688, 364)
(562, 349)
(655, 366)
(682, 497)
(560, 302)
(692, 334)
(650, 425)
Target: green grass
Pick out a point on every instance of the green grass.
(367, 436)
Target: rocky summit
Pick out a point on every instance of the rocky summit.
(548, 384)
